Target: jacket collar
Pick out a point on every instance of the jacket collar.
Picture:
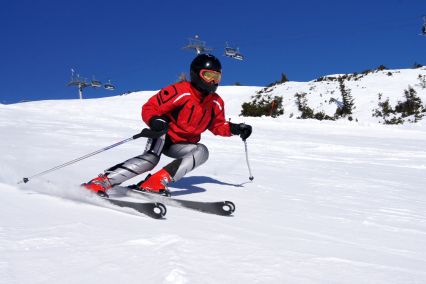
(197, 94)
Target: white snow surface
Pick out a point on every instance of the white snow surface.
(331, 202)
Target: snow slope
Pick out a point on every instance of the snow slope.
(331, 202)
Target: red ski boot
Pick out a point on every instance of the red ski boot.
(157, 183)
(99, 184)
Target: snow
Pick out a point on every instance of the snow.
(331, 202)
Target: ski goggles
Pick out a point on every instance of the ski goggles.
(210, 76)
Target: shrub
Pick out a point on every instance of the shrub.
(422, 81)
(263, 104)
(385, 111)
(366, 72)
(412, 105)
(306, 111)
(322, 116)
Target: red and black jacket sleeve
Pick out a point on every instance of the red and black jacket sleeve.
(219, 125)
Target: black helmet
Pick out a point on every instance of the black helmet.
(205, 73)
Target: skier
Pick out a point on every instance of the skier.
(182, 111)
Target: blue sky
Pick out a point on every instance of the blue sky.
(137, 44)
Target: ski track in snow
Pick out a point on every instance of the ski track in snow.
(331, 202)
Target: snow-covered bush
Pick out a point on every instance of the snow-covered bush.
(412, 106)
(302, 105)
(422, 81)
(410, 110)
(386, 111)
(306, 111)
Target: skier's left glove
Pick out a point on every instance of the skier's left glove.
(159, 124)
(242, 129)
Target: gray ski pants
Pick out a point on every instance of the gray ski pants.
(187, 157)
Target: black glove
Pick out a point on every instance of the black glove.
(159, 124)
(242, 129)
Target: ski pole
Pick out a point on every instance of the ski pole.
(247, 160)
(147, 133)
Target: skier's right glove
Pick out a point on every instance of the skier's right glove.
(159, 124)
(242, 129)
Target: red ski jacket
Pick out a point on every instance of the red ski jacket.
(189, 113)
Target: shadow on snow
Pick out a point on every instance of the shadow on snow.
(189, 185)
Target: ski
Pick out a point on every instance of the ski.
(154, 210)
(223, 208)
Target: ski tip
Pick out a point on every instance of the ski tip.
(228, 207)
(156, 210)
(160, 210)
(24, 180)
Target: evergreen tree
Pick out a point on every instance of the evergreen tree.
(348, 101)
(302, 105)
(283, 78)
(281, 81)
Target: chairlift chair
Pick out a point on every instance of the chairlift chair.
(95, 83)
(230, 51)
(233, 52)
(238, 56)
(109, 86)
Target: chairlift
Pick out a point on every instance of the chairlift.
(238, 56)
(230, 51)
(95, 83)
(233, 52)
(198, 45)
(109, 86)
